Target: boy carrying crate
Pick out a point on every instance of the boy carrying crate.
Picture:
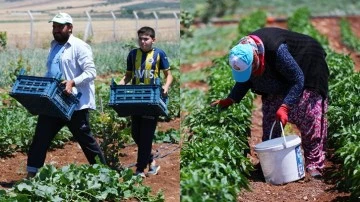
(143, 67)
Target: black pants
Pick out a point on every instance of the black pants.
(46, 129)
(143, 132)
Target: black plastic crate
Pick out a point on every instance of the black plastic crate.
(44, 95)
(129, 100)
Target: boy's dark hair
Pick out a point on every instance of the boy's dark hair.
(147, 30)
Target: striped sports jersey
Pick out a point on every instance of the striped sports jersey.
(145, 67)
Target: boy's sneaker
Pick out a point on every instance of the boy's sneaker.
(141, 174)
(153, 169)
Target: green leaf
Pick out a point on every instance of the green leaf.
(24, 186)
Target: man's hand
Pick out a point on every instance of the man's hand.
(282, 114)
(68, 86)
(223, 104)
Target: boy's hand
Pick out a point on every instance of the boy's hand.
(122, 82)
(165, 90)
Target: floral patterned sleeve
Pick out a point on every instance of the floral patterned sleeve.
(289, 68)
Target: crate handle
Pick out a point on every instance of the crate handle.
(113, 82)
(22, 71)
(157, 81)
(58, 75)
(78, 95)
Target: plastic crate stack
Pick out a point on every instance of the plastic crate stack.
(44, 96)
(128, 100)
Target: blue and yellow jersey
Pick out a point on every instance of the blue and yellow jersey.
(145, 67)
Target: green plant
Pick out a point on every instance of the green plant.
(216, 8)
(206, 40)
(300, 22)
(251, 22)
(186, 20)
(17, 127)
(350, 152)
(113, 130)
(21, 63)
(343, 114)
(347, 36)
(174, 92)
(3, 40)
(81, 183)
(169, 136)
(213, 163)
(213, 168)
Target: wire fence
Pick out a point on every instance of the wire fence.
(30, 30)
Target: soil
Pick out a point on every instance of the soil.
(307, 189)
(13, 168)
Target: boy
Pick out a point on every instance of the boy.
(143, 67)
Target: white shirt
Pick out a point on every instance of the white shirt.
(77, 64)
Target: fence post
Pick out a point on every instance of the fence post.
(88, 27)
(177, 25)
(137, 20)
(31, 28)
(114, 26)
(156, 21)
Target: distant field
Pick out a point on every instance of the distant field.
(78, 6)
(284, 8)
(125, 29)
(15, 20)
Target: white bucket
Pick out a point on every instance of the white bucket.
(281, 159)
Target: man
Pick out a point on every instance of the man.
(73, 58)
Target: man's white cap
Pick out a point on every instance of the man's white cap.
(62, 18)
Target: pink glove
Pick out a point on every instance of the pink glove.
(282, 114)
(223, 104)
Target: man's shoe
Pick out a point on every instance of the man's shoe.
(153, 170)
(141, 174)
(30, 175)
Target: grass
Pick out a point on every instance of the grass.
(280, 7)
(192, 99)
(205, 40)
(190, 6)
(198, 75)
(108, 57)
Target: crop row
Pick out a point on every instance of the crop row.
(213, 162)
(343, 114)
(214, 166)
(17, 127)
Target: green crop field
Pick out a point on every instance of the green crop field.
(111, 42)
(213, 167)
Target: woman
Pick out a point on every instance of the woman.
(289, 71)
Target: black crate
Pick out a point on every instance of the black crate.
(44, 95)
(129, 100)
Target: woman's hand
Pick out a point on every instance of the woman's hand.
(223, 104)
(282, 114)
